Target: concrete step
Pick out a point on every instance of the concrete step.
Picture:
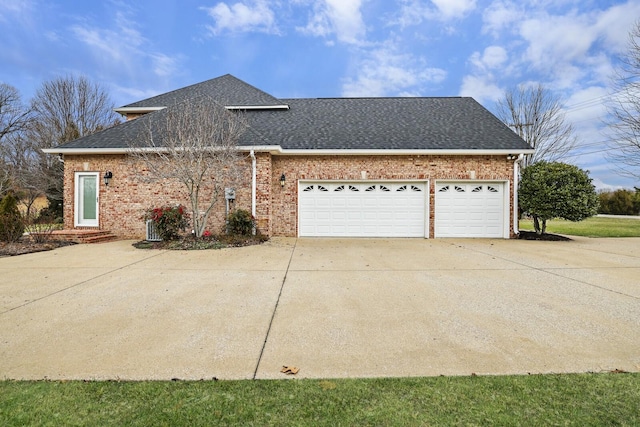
(84, 236)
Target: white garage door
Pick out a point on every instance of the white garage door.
(357, 209)
(469, 209)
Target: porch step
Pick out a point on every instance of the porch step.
(84, 236)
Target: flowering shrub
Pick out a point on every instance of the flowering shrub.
(169, 220)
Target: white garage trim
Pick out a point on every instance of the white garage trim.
(472, 209)
(363, 208)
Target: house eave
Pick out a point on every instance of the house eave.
(277, 150)
(402, 152)
(137, 110)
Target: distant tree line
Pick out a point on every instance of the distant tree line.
(620, 202)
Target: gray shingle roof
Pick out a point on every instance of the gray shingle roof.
(227, 90)
(384, 123)
(456, 123)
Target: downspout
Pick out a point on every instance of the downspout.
(253, 186)
(516, 178)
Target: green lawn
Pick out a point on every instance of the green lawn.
(591, 227)
(576, 399)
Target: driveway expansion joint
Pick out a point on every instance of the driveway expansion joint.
(59, 291)
(549, 270)
(273, 314)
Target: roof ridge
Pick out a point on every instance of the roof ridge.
(198, 89)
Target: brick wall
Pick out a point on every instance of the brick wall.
(295, 168)
(129, 194)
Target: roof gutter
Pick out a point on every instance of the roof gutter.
(516, 179)
(278, 150)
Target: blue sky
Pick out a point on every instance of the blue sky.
(333, 48)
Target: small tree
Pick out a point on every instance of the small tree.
(11, 222)
(556, 190)
(194, 143)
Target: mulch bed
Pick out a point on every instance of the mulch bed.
(210, 242)
(25, 246)
(531, 235)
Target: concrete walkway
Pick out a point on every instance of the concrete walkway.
(332, 307)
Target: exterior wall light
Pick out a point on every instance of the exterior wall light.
(282, 180)
(511, 156)
(107, 178)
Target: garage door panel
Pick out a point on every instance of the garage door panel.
(469, 209)
(363, 209)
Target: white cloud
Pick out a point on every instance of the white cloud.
(342, 17)
(493, 57)
(481, 83)
(414, 12)
(240, 17)
(385, 72)
(615, 23)
(453, 9)
(10, 9)
(562, 44)
(107, 46)
(102, 41)
(500, 15)
(482, 88)
(164, 65)
(557, 39)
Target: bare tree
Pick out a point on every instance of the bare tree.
(65, 108)
(624, 109)
(68, 108)
(536, 115)
(194, 143)
(14, 116)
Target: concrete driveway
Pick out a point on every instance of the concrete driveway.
(332, 307)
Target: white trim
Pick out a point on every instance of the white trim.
(140, 110)
(277, 150)
(76, 199)
(389, 152)
(254, 173)
(507, 219)
(516, 181)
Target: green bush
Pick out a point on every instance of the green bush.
(556, 190)
(11, 221)
(240, 222)
(169, 220)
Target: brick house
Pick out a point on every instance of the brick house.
(358, 167)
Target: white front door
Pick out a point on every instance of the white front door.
(86, 199)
